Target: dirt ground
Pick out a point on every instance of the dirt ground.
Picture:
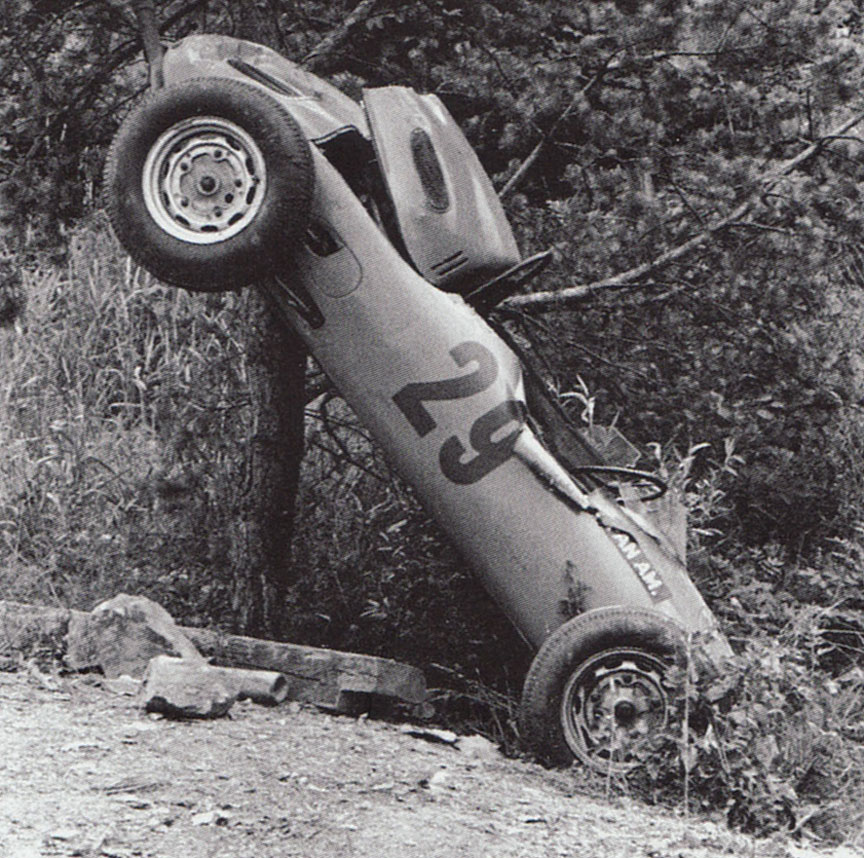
(85, 772)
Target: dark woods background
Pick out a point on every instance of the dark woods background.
(150, 440)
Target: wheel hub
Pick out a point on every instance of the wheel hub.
(625, 712)
(612, 705)
(204, 180)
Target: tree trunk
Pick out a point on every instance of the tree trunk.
(263, 521)
(264, 513)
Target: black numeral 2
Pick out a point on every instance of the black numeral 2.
(410, 398)
(489, 453)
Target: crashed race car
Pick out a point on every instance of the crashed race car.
(377, 232)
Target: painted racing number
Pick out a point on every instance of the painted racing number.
(490, 448)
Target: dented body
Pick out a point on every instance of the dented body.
(437, 387)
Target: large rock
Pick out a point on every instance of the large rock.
(186, 688)
(123, 634)
(32, 630)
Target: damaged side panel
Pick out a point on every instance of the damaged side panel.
(450, 218)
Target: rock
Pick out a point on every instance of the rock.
(430, 734)
(185, 688)
(123, 685)
(122, 635)
(27, 630)
(212, 817)
(478, 747)
(42, 679)
(260, 686)
(266, 687)
(439, 782)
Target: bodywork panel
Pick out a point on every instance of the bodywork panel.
(444, 396)
(449, 215)
(319, 107)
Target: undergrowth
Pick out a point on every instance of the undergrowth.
(104, 380)
(120, 404)
(777, 738)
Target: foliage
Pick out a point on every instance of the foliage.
(120, 402)
(776, 742)
(737, 368)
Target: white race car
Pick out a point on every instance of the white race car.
(377, 231)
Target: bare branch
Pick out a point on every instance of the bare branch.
(516, 179)
(562, 298)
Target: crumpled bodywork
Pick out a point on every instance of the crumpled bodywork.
(319, 107)
(437, 387)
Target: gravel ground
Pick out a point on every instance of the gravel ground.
(85, 772)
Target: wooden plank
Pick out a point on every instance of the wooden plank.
(312, 670)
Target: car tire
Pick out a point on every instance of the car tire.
(598, 688)
(209, 184)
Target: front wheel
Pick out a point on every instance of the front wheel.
(209, 184)
(598, 689)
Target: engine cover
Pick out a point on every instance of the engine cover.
(450, 218)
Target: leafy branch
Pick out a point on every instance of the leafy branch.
(516, 179)
(318, 57)
(561, 298)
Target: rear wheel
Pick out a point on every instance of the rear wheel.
(209, 184)
(598, 689)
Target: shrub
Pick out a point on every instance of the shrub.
(779, 743)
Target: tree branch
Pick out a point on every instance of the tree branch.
(566, 297)
(317, 58)
(148, 30)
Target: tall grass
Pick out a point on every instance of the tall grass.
(105, 383)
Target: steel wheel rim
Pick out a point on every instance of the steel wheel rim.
(613, 704)
(204, 180)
